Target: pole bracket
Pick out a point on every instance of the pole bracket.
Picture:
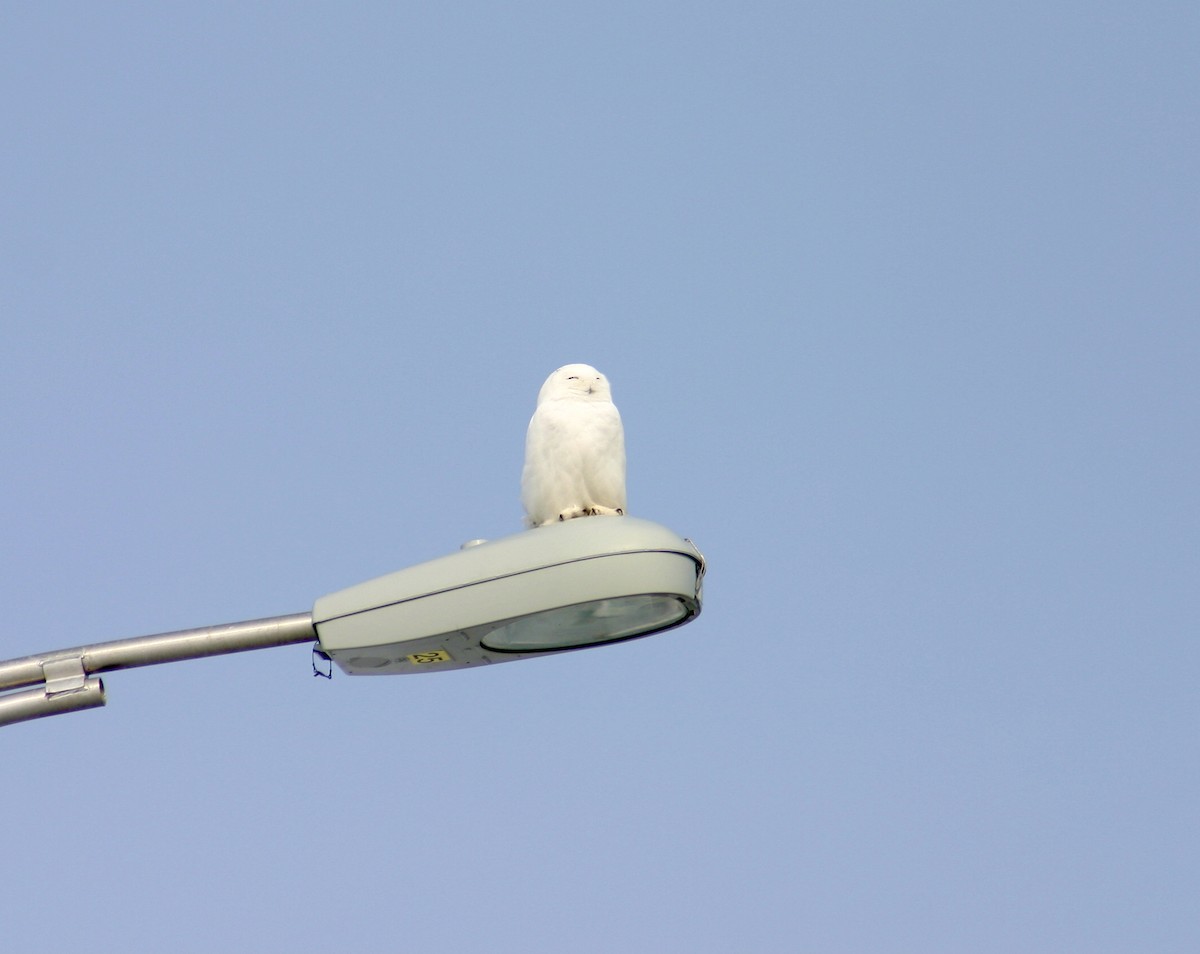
(64, 674)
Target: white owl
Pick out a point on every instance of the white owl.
(574, 450)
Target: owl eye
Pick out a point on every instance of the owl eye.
(573, 377)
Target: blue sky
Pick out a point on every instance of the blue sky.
(899, 304)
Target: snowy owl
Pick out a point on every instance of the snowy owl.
(574, 450)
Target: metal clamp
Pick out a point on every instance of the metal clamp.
(64, 674)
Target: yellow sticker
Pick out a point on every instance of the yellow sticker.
(432, 656)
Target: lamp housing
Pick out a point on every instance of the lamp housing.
(565, 586)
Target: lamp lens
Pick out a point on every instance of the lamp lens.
(600, 621)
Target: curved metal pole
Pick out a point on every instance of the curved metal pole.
(65, 675)
(36, 703)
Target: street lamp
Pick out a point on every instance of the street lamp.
(566, 586)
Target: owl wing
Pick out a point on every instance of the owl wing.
(544, 485)
(605, 468)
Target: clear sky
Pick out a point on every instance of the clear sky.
(899, 304)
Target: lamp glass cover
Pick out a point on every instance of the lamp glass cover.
(585, 624)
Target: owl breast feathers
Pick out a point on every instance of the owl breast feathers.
(574, 450)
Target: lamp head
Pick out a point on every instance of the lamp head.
(565, 586)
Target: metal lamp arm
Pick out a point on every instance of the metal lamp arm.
(64, 680)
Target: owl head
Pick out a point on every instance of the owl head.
(580, 382)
